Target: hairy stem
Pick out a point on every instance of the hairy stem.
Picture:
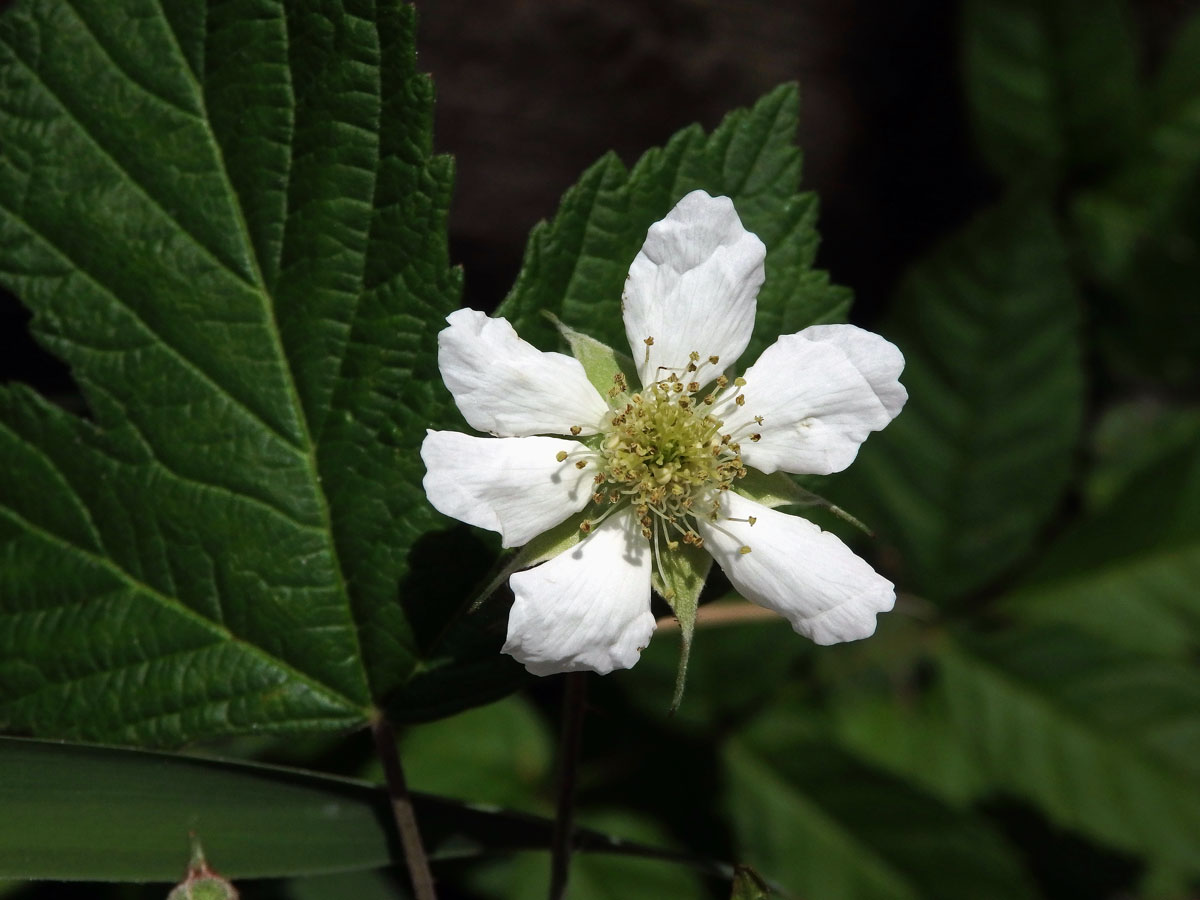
(574, 706)
(402, 809)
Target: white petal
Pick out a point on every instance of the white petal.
(876, 358)
(507, 386)
(589, 607)
(693, 286)
(818, 402)
(514, 486)
(793, 567)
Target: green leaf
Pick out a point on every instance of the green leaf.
(88, 813)
(227, 219)
(595, 877)
(575, 266)
(498, 754)
(1127, 573)
(1103, 741)
(1052, 85)
(828, 827)
(909, 734)
(964, 478)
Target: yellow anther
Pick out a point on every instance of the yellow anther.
(743, 549)
(581, 464)
(561, 455)
(740, 381)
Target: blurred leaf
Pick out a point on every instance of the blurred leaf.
(963, 480)
(499, 754)
(765, 652)
(1133, 438)
(1141, 237)
(232, 228)
(82, 812)
(1138, 230)
(1101, 740)
(828, 827)
(366, 885)
(575, 266)
(527, 875)
(1167, 883)
(1128, 573)
(1134, 203)
(910, 736)
(1052, 85)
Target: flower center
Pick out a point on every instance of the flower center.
(667, 454)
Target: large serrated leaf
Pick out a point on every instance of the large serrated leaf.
(962, 481)
(575, 266)
(1104, 741)
(227, 219)
(826, 826)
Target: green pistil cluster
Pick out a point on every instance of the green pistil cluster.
(666, 453)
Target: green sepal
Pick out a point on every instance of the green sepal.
(202, 883)
(778, 489)
(683, 572)
(548, 544)
(748, 885)
(600, 362)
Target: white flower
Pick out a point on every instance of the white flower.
(661, 465)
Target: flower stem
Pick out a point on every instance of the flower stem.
(574, 707)
(402, 809)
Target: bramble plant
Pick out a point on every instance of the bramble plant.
(236, 609)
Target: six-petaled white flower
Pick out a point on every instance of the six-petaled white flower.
(659, 463)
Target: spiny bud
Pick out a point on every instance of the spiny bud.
(201, 882)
